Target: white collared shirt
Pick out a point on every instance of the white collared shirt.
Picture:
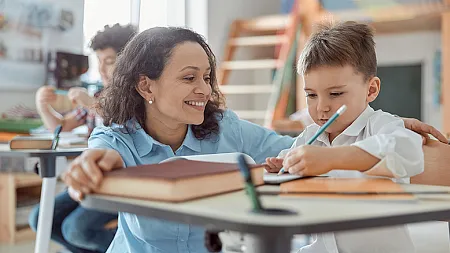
(400, 152)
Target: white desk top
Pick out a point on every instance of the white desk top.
(231, 211)
(5, 150)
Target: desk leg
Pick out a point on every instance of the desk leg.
(268, 244)
(46, 206)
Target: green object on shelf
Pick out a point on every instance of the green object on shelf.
(19, 125)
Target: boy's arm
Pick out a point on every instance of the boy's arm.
(398, 149)
(49, 117)
(392, 151)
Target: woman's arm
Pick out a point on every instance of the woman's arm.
(257, 141)
(49, 116)
(86, 171)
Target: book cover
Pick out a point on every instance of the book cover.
(177, 181)
(30, 142)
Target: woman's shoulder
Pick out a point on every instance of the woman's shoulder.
(229, 119)
(229, 115)
(232, 124)
(114, 133)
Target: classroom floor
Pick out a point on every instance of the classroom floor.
(431, 237)
(28, 247)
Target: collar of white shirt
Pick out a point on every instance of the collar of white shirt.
(358, 125)
(353, 130)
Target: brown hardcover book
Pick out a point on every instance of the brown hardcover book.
(177, 181)
(30, 142)
(346, 188)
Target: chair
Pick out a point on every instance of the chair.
(437, 163)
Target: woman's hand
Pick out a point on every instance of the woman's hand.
(85, 173)
(424, 129)
(80, 96)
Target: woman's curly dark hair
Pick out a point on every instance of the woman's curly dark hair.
(147, 54)
(115, 37)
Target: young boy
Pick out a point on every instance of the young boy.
(339, 68)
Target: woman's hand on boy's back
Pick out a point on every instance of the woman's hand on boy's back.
(86, 171)
(424, 129)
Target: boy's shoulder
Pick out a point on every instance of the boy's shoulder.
(378, 122)
(369, 118)
(380, 118)
(373, 118)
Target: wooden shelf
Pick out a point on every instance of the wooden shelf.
(268, 40)
(426, 23)
(12, 186)
(246, 89)
(397, 19)
(24, 234)
(266, 23)
(27, 180)
(250, 64)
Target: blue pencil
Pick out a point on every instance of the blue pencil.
(61, 92)
(338, 113)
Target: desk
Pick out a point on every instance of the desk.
(273, 233)
(47, 172)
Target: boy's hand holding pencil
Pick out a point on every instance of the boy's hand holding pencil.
(304, 161)
(309, 160)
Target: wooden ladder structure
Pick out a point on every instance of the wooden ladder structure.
(275, 30)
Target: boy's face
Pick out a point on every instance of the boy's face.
(328, 88)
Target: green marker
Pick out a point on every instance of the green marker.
(249, 186)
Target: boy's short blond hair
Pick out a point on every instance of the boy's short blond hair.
(340, 44)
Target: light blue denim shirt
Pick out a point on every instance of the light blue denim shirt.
(143, 234)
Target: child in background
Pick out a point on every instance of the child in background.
(107, 45)
(76, 228)
(339, 68)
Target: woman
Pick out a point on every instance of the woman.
(163, 102)
(76, 228)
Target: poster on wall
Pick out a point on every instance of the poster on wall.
(29, 31)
